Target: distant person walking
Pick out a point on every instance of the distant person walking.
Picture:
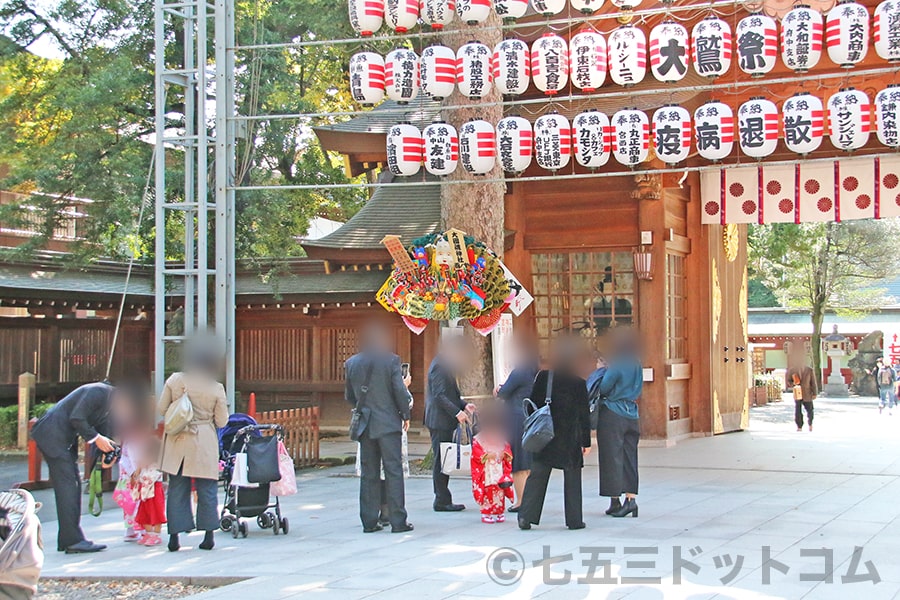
(805, 388)
(886, 378)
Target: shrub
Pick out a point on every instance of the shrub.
(39, 410)
(9, 425)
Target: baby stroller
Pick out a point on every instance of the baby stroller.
(21, 548)
(250, 500)
(235, 423)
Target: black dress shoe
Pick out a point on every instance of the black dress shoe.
(84, 547)
(373, 529)
(574, 527)
(614, 505)
(403, 528)
(513, 509)
(449, 508)
(524, 525)
(629, 508)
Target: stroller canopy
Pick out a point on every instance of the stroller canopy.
(21, 552)
(235, 423)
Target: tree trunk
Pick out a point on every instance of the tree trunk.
(818, 317)
(475, 207)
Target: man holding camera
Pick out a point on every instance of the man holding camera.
(84, 413)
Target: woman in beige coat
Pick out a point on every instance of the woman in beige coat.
(193, 454)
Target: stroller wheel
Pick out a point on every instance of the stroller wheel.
(243, 528)
(284, 525)
(235, 530)
(264, 521)
(276, 525)
(226, 523)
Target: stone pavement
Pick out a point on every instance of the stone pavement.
(717, 502)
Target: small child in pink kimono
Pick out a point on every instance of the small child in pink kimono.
(147, 490)
(491, 466)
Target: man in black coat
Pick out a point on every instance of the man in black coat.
(444, 411)
(84, 413)
(376, 387)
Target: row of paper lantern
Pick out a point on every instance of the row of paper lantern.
(593, 137)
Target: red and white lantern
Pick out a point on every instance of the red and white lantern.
(510, 9)
(803, 121)
(366, 16)
(592, 139)
(672, 134)
(669, 52)
(437, 13)
(515, 142)
(473, 12)
(550, 63)
(849, 119)
(627, 48)
(802, 34)
(711, 47)
(887, 101)
(401, 75)
(548, 7)
(587, 7)
(757, 44)
(437, 71)
(631, 137)
(401, 15)
(886, 30)
(758, 127)
(367, 78)
(552, 141)
(587, 60)
(511, 67)
(714, 130)
(477, 147)
(404, 149)
(473, 70)
(441, 148)
(847, 33)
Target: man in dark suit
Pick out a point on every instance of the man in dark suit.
(84, 413)
(376, 387)
(444, 410)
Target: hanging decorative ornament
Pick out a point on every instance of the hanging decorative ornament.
(550, 63)
(631, 137)
(437, 13)
(886, 30)
(847, 33)
(511, 66)
(366, 16)
(473, 12)
(627, 49)
(367, 78)
(803, 119)
(669, 48)
(510, 9)
(473, 70)
(672, 134)
(548, 8)
(801, 38)
(404, 149)
(437, 71)
(849, 119)
(592, 139)
(441, 148)
(758, 127)
(757, 44)
(711, 47)
(515, 142)
(587, 60)
(886, 103)
(552, 141)
(401, 75)
(587, 7)
(714, 130)
(477, 147)
(401, 15)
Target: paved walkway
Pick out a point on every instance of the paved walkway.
(810, 498)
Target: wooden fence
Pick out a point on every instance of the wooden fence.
(301, 432)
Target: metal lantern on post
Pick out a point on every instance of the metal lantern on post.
(631, 137)
(757, 44)
(847, 33)
(592, 139)
(714, 130)
(441, 148)
(587, 7)
(510, 9)
(758, 127)
(550, 63)
(803, 120)
(802, 35)
(515, 142)
(437, 14)
(887, 102)
(587, 60)
(643, 264)
(627, 48)
(886, 30)
(849, 119)
(437, 71)
(473, 12)
(548, 8)
(404, 149)
(672, 134)
(511, 67)
(473, 75)
(711, 47)
(401, 15)
(367, 78)
(669, 52)
(477, 147)
(366, 16)
(401, 75)
(552, 141)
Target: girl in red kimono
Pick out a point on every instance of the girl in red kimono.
(491, 466)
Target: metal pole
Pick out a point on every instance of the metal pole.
(159, 311)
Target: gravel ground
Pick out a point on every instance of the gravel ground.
(55, 589)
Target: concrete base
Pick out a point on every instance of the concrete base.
(836, 389)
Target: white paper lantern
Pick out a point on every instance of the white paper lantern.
(401, 15)
(714, 130)
(758, 127)
(511, 67)
(672, 134)
(592, 139)
(401, 75)
(669, 52)
(886, 30)
(587, 60)
(473, 70)
(847, 33)
(437, 13)
(631, 137)
(548, 7)
(367, 78)
(627, 49)
(552, 141)
(477, 147)
(473, 12)
(550, 63)
(802, 34)
(587, 7)
(711, 47)
(441, 148)
(437, 71)
(366, 16)
(626, 3)
(849, 119)
(887, 101)
(757, 44)
(404, 149)
(515, 142)
(510, 9)
(803, 121)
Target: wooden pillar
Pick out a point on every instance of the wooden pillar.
(699, 307)
(27, 385)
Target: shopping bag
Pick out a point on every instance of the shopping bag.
(287, 485)
(239, 475)
(456, 456)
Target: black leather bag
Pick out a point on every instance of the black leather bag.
(539, 430)
(262, 460)
(357, 413)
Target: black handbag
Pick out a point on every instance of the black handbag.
(596, 402)
(262, 459)
(539, 430)
(356, 413)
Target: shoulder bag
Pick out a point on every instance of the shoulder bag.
(539, 429)
(356, 413)
(179, 415)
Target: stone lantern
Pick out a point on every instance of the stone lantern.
(836, 347)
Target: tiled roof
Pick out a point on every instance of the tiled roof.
(420, 112)
(55, 279)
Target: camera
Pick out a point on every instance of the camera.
(112, 456)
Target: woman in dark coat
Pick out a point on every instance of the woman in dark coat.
(516, 388)
(570, 411)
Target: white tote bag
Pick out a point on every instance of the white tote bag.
(456, 456)
(239, 476)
